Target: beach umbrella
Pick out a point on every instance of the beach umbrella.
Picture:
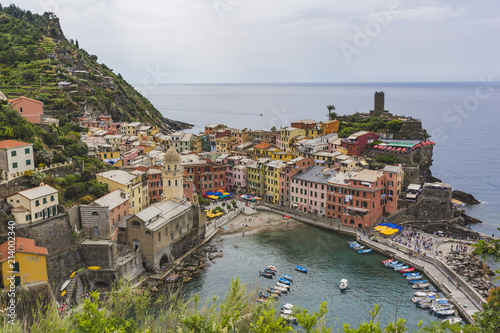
(209, 193)
(375, 147)
(218, 193)
(404, 149)
(231, 193)
(225, 193)
(221, 190)
(432, 142)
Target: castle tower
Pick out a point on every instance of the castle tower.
(173, 186)
(379, 102)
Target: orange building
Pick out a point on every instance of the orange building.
(29, 109)
(329, 127)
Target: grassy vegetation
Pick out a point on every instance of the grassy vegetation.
(35, 56)
(125, 309)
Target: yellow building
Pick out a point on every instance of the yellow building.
(127, 182)
(286, 134)
(272, 181)
(283, 156)
(112, 157)
(197, 144)
(329, 127)
(22, 261)
(224, 144)
(256, 177)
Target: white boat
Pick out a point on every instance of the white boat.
(398, 268)
(420, 285)
(441, 305)
(453, 320)
(289, 318)
(282, 285)
(424, 293)
(449, 312)
(343, 284)
(414, 277)
(287, 307)
(282, 290)
(65, 284)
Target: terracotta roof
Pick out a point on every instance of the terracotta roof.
(11, 144)
(19, 209)
(262, 145)
(20, 99)
(24, 245)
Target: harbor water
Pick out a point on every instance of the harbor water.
(329, 259)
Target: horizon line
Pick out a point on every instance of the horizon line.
(305, 82)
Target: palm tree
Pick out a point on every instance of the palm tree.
(331, 115)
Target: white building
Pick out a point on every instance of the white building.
(15, 158)
(34, 204)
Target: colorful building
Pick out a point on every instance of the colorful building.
(285, 135)
(309, 190)
(29, 109)
(256, 177)
(293, 167)
(329, 127)
(127, 182)
(357, 143)
(24, 261)
(272, 181)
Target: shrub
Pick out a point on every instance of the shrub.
(87, 199)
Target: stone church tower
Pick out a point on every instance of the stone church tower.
(172, 175)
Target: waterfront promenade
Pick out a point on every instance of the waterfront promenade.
(466, 299)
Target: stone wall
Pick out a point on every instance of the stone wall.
(435, 204)
(411, 175)
(184, 244)
(61, 265)
(98, 254)
(411, 130)
(74, 217)
(95, 217)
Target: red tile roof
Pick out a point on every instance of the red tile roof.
(24, 245)
(20, 99)
(262, 145)
(11, 144)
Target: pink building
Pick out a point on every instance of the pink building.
(129, 156)
(236, 173)
(293, 167)
(29, 109)
(309, 190)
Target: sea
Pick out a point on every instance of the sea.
(463, 120)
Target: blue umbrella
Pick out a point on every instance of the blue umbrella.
(219, 194)
(210, 193)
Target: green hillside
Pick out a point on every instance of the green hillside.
(35, 56)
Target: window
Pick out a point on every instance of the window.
(13, 153)
(44, 200)
(28, 162)
(37, 203)
(27, 151)
(16, 267)
(14, 165)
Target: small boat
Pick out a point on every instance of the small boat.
(408, 270)
(358, 247)
(267, 295)
(392, 264)
(411, 274)
(300, 269)
(444, 313)
(94, 268)
(63, 293)
(418, 281)
(272, 268)
(343, 284)
(354, 244)
(281, 289)
(452, 321)
(270, 271)
(424, 293)
(365, 251)
(418, 299)
(414, 277)
(65, 284)
(284, 281)
(288, 277)
(72, 274)
(383, 262)
(420, 285)
(290, 320)
(400, 268)
(282, 285)
(261, 300)
(286, 217)
(266, 275)
(273, 291)
(440, 305)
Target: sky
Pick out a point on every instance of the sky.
(270, 41)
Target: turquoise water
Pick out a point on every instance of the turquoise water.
(328, 259)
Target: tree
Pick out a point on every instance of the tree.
(77, 149)
(394, 125)
(45, 156)
(331, 115)
(77, 45)
(37, 177)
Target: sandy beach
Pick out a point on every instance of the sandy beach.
(260, 222)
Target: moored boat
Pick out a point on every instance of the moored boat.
(288, 277)
(284, 281)
(408, 270)
(282, 285)
(383, 262)
(272, 268)
(411, 274)
(417, 281)
(452, 321)
(444, 313)
(270, 271)
(420, 285)
(424, 293)
(343, 284)
(273, 291)
(365, 251)
(266, 275)
(399, 268)
(300, 269)
(414, 277)
(281, 289)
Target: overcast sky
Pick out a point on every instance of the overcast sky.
(212, 41)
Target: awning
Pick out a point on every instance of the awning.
(411, 196)
(358, 209)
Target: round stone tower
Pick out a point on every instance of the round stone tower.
(172, 176)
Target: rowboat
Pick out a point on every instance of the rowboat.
(359, 247)
(424, 293)
(272, 268)
(270, 271)
(300, 269)
(63, 293)
(273, 291)
(288, 277)
(453, 320)
(282, 285)
(393, 263)
(281, 289)
(65, 284)
(72, 274)
(94, 268)
(383, 262)
(284, 281)
(408, 270)
(418, 281)
(420, 285)
(266, 275)
(400, 268)
(351, 245)
(365, 251)
(411, 274)
(445, 313)
(286, 217)
(414, 277)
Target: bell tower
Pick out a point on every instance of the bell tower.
(172, 175)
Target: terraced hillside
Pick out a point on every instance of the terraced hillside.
(37, 61)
